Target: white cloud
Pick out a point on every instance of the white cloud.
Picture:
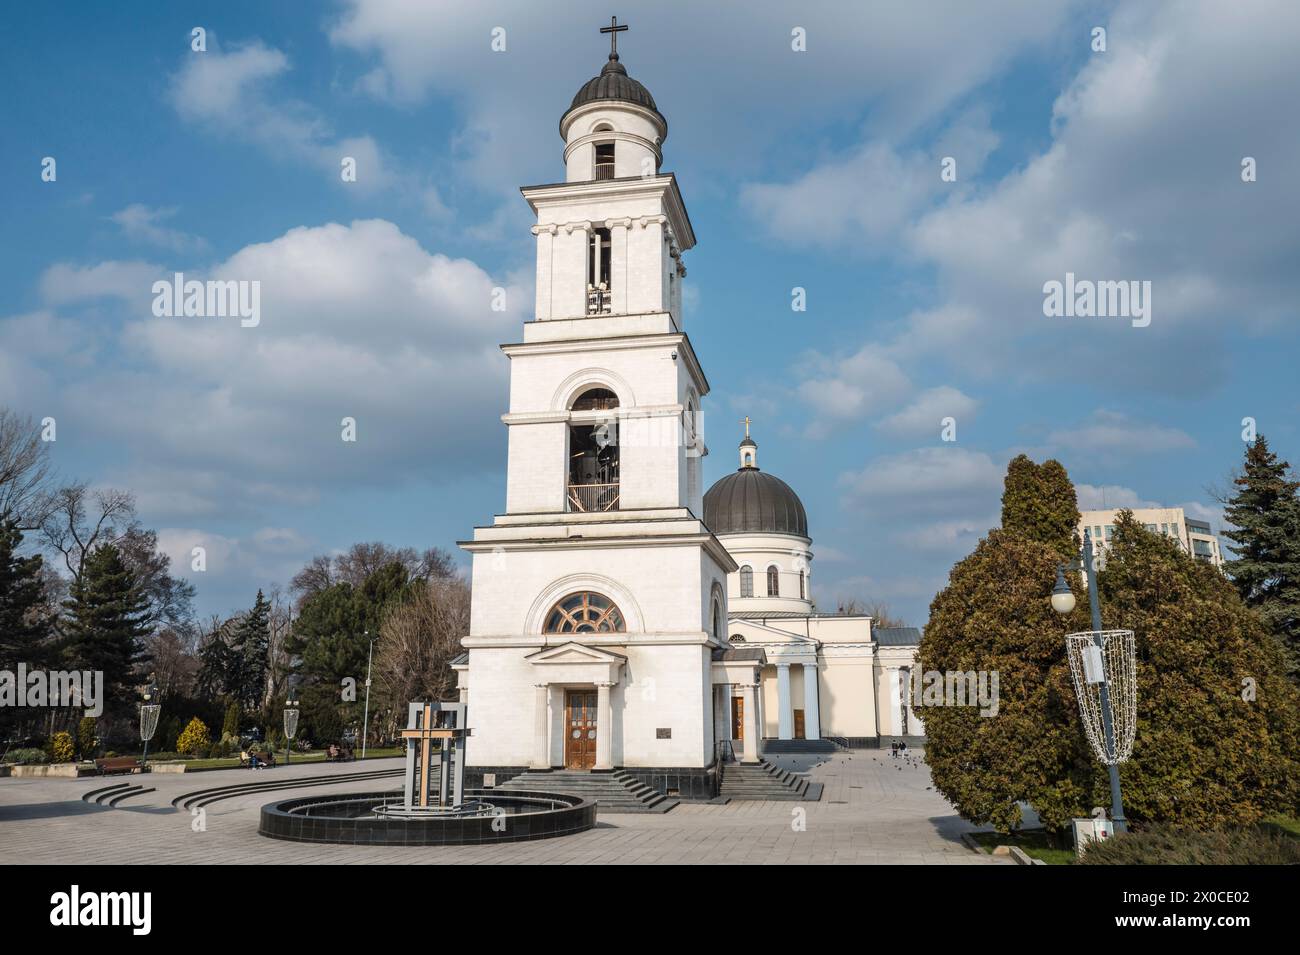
(938, 478)
(1157, 118)
(854, 386)
(356, 320)
(1116, 433)
(951, 539)
(268, 554)
(922, 417)
(904, 68)
(141, 223)
(64, 284)
(1102, 497)
(860, 201)
(228, 92)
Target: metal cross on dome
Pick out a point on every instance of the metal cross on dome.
(614, 29)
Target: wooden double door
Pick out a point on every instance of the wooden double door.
(579, 729)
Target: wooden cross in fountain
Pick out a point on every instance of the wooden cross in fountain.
(424, 735)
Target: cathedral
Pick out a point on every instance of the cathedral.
(621, 617)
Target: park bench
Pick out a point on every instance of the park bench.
(118, 764)
(263, 758)
(338, 754)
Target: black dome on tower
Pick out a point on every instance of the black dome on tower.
(751, 502)
(613, 83)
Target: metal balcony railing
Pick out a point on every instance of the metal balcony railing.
(604, 170)
(585, 498)
(598, 300)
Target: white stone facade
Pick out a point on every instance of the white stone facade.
(649, 555)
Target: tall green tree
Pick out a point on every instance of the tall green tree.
(1039, 503)
(250, 651)
(329, 636)
(995, 615)
(218, 666)
(1265, 514)
(1218, 722)
(106, 625)
(24, 625)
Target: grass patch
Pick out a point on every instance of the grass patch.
(1166, 845)
(1036, 843)
(232, 762)
(1287, 825)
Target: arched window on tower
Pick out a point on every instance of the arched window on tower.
(593, 454)
(746, 581)
(604, 160)
(584, 612)
(802, 595)
(717, 619)
(773, 581)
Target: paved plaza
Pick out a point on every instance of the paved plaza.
(875, 809)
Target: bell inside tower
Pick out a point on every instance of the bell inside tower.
(593, 454)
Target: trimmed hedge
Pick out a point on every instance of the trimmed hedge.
(27, 757)
(1165, 845)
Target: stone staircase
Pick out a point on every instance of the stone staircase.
(613, 792)
(762, 780)
(801, 746)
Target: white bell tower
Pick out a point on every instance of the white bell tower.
(600, 574)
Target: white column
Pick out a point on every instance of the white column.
(752, 726)
(895, 703)
(784, 710)
(545, 251)
(542, 728)
(618, 264)
(604, 727)
(812, 721)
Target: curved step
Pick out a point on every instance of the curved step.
(95, 795)
(131, 793)
(205, 797)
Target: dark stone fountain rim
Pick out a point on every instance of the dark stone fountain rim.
(562, 815)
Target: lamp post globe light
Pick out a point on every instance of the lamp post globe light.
(290, 717)
(149, 710)
(365, 720)
(1099, 662)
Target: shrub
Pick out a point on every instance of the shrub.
(86, 737)
(27, 757)
(194, 739)
(62, 748)
(230, 726)
(1166, 845)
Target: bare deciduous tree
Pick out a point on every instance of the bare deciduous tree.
(878, 610)
(280, 626)
(25, 472)
(361, 560)
(173, 661)
(80, 519)
(418, 640)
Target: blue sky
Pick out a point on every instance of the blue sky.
(816, 169)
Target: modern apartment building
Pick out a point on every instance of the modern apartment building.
(1195, 537)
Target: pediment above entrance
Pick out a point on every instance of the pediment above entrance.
(574, 662)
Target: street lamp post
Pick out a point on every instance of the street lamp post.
(290, 717)
(1063, 602)
(365, 722)
(148, 720)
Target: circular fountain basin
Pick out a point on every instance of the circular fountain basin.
(372, 819)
